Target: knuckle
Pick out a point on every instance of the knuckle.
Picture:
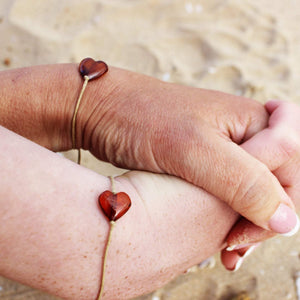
(253, 117)
(287, 140)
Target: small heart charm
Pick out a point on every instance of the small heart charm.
(114, 206)
(91, 68)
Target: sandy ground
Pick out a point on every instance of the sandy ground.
(244, 47)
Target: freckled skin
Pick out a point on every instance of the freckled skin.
(65, 246)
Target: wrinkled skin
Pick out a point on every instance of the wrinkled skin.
(190, 133)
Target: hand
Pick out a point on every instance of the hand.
(278, 146)
(192, 133)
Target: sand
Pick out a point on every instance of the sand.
(244, 47)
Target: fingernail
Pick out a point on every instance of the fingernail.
(238, 264)
(284, 221)
(241, 259)
(231, 248)
(249, 251)
(237, 247)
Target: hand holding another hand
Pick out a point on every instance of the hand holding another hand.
(277, 146)
(194, 134)
(138, 122)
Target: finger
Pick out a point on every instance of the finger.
(277, 147)
(289, 177)
(246, 185)
(278, 143)
(232, 260)
(272, 105)
(266, 148)
(273, 146)
(283, 113)
(245, 233)
(289, 173)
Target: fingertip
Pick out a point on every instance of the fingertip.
(232, 260)
(238, 264)
(284, 220)
(294, 230)
(271, 105)
(238, 247)
(229, 259)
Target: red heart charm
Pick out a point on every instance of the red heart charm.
(114, 206)
(92, 69)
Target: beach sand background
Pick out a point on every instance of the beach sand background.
(249, 47)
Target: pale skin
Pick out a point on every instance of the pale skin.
(53, 233)
(55, 108)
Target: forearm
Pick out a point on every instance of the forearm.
(38, 102)
(52, 233)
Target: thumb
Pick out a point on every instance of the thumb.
(274, 146)
(249, 187)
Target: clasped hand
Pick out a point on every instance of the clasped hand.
(238, 162)
(227, 145)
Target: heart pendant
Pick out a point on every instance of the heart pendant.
(92, 69)
(114, 206)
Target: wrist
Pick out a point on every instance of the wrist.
(98, 98)
(63, 99)
(95, 101)
(115, 119)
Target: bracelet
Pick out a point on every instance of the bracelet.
(89, 69)
(113, 205)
